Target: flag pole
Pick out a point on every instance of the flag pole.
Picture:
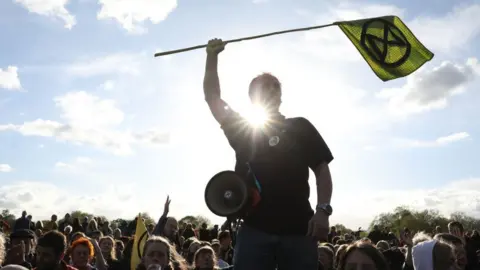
(246, 38)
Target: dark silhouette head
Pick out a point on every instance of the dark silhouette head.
(265, 90)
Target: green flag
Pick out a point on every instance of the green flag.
(388, 46)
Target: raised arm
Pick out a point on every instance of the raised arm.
(211, 82)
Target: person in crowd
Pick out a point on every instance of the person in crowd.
(226, 250)
(394, 257)
(382, 245)
(326, 257)
(2, 248)
(52, 224)
(204, 233)
(106, 229)
(109, 252)
(216, 248)
(117, 234)
(97, 235)
(214, 232)
(75, 236)
(22, 223)
(167, 227)
(332, 234)
(119, 248)
(362, 255)
(68, 233)
(67, 220)
(205, 259)
(375, 234)
(339, 254)
(192, 248)
(433, 254)
(50, 251)
(21, 251)
(285, 149)
(458, 247)
(188, 232)
(92, 227)
(77, 226)
(83, 251)
(39, 226)
(159, 252)
(32, 224)
(85, 223)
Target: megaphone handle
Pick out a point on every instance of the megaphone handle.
(233, 234)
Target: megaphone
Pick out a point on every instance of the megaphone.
(227, 194)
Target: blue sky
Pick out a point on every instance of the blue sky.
(90, 120)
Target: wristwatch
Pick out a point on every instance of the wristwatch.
(326, 208)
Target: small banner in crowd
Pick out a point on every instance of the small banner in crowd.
(141, 237)
(388, 46)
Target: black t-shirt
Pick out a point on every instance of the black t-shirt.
(279, 155)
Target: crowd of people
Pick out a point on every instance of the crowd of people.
(92, 243)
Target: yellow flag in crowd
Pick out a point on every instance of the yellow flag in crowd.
(388, 46)
(141, 236)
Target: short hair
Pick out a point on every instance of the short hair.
(448, 238)
(455, 224)
(223, 234)
(369, 250)
(420, 237)
(55, 240)
(383, 245)
(327, 250)
(267, 80)
(83, 242)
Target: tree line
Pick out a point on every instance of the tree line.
(398, 219)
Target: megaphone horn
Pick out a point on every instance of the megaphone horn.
(226, 194)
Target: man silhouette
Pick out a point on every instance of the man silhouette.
(282, 230)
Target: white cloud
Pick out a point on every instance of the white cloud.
(449, 33)
(5, 168)
(78, 164)
(50, 8)
(120, 63)
(63, 165)
(108, 85)
(441, 141)
(430, 89)
(43, 199)
(9, 78)
(260, 1)
(462, 195)
(86, 111)
(89, 120)
(132, 14)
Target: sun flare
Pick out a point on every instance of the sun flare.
(256, 116)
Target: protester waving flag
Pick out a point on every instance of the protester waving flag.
(388, 46)
(141, 236)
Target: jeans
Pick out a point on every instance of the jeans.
(256, 250)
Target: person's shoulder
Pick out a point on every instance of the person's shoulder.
(298, 121)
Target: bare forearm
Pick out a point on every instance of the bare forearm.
(324, 185)
(211, 82)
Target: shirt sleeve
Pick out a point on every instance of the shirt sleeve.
(236, 129)
(317, 151)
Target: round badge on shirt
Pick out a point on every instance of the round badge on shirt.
(273, 141)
